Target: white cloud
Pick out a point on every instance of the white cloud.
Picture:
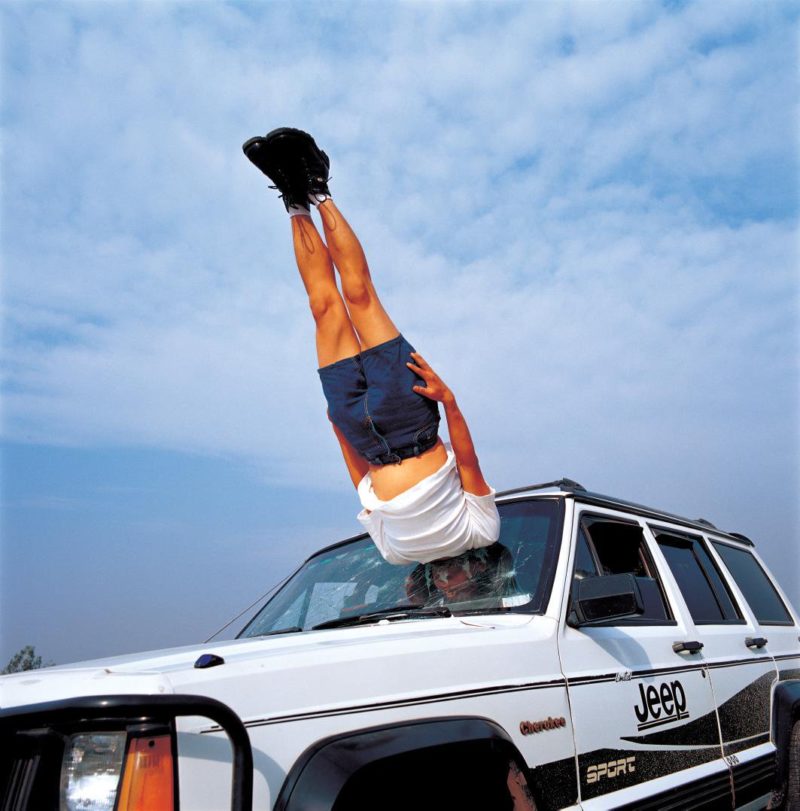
(537, 187)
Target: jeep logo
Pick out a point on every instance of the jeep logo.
(660, 704)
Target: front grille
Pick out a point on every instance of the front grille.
(18, 785)
(30, 765)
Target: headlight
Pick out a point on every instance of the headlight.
(90, 771)
(94, 762)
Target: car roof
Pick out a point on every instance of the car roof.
(572, 489)
(568, 488)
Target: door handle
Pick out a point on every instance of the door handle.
(755, 641)
(687, 647)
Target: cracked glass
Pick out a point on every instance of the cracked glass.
(351, 583)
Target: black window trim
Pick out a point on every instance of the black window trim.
(657, 530)
(785, 624)
(633, 522)
(550, 562)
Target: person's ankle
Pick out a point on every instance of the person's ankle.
(298, 211)
(318, 198)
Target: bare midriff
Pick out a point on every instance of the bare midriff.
(389, 481)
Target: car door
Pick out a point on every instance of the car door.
(770, 635)
(740, 670)
(644, 715)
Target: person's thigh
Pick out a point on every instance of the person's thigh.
(402, 416)
(372, 322)
(345, 388)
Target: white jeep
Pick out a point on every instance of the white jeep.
(601, 655)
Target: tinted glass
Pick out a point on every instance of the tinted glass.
(683, 557)
(353, 579)
(723, 594)
(754, 584)
(621, 549)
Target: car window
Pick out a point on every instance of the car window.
(585, 565)
(352, 579)
(755, 585)
(613, 546)
(703, 590)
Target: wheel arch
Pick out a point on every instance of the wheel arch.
(322, 770)
(785, 713)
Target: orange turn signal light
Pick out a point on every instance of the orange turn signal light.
(148, 779)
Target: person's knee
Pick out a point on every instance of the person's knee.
(326, 305)
(358, 292)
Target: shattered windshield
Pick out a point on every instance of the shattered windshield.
(351, 583)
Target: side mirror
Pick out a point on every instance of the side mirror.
(600, 599)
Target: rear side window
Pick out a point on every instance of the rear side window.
(609, 546)
(702, 587)
(755, 585)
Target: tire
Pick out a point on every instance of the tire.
(793, 781)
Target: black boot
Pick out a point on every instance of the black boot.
(291, 159)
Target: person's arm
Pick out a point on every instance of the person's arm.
(357, 465)
(469, 468)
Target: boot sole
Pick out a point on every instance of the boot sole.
(283, 133)
(269, 139)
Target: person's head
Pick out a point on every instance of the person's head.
(457, 578)
(476, 574)
(418, 591)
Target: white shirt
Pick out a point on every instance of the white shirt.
(433, 519)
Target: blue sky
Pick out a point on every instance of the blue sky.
(584, 214)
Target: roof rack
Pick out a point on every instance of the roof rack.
(562, 484)
(705, 522)
(566, 485)
(741, 537)
(571, 486)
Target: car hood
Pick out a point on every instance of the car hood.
(293, 673)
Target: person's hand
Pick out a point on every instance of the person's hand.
(434, 388)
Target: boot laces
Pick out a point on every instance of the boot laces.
(285, 192)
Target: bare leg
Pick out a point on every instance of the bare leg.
(335, 336)
(371, 321)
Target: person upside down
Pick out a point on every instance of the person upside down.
(422, 499)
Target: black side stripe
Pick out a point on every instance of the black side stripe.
(635, 674)
(497, 690)
(742, 717)
(554, 784)
(747, 712)
(403, 702)
(701, 732)
(643, 765)
(755, 660)
(664, 671)
(733, 747)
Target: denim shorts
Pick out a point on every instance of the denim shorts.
(372, 402)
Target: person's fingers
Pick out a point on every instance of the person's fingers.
(423, 391)
(420, 360)
(423, 373)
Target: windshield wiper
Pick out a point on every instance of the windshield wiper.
(398, 612)
(295, 629)
(469, 612)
